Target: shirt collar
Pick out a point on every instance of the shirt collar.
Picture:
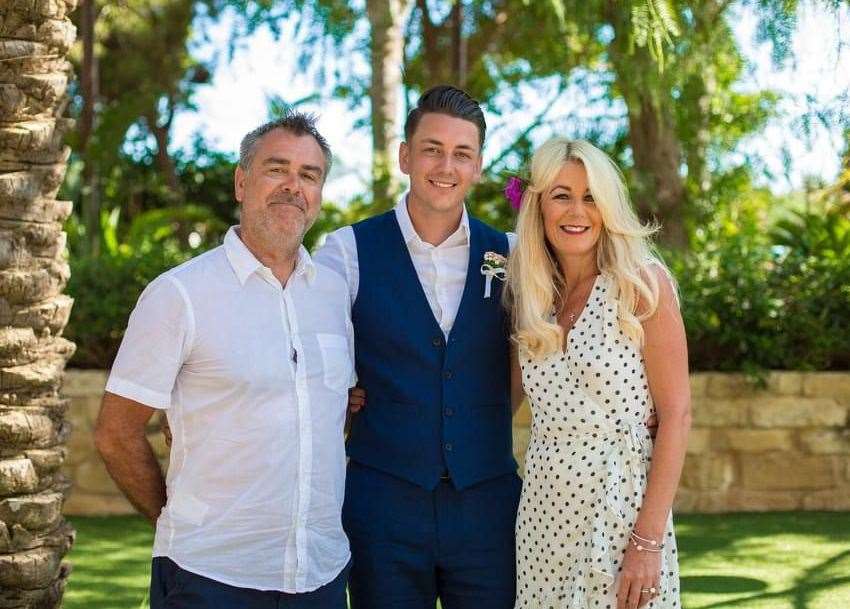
(244, 263)
(406, 224)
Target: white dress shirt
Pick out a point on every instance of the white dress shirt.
(441, 268)
(254, 377)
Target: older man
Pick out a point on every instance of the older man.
(248, 350)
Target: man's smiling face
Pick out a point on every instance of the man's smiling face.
(443, 160)
(281, 190)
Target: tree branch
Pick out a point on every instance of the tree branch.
(429, 31)
(538, 120)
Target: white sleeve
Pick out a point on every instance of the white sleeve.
(156, 343)
(339, 253)
(511, 241)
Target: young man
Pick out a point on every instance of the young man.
(247, 348)
(432, 489)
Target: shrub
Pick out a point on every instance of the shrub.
(752, 299)
(105, 285)
(105, 290)
(813, 281)
(755, 300)
(728, 313)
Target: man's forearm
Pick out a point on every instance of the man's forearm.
(133, 465)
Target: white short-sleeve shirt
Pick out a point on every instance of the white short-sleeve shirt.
(254, 378)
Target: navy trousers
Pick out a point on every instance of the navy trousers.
(176, 588)
(410, 545)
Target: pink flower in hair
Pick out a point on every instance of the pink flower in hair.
(513, 191)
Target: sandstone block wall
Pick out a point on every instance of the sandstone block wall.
(781, 447)
(92, 490)
(785, 446)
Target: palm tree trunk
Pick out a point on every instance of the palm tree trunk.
(34, 40)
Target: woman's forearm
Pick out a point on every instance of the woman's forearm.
(668, 456)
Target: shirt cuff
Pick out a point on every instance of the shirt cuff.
(143, 395)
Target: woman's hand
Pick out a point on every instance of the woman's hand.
(641, 573)
(356, 399)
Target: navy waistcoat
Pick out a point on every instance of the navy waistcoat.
(434, 406)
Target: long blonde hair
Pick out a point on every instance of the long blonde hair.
(624, 251)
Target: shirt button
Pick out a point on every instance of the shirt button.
(447, 374)
(437, 341)
(449, 412)
(449, 447)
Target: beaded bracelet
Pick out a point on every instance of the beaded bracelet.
(638, 542)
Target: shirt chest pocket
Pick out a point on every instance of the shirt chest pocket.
(336, 361)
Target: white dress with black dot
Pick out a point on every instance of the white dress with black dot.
(586, 467)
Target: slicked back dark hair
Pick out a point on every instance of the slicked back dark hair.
(297, 123)
(445, 99)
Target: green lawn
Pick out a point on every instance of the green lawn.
(111, 563)
(793, 560)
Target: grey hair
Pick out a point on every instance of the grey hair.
(297, 123)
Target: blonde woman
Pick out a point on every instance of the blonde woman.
(601, 348)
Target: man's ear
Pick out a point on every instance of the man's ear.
(404, 158)
(239, 184)
(476, 177)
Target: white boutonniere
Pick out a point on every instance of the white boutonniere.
(493, 266)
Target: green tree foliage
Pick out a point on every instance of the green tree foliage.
(672, 64)
(760, 290)
(141, 74)
(105, 287)
(763, 295)
(145, 72)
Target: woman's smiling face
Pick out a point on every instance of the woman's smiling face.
(571, 221)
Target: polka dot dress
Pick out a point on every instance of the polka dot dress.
(586, 467)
